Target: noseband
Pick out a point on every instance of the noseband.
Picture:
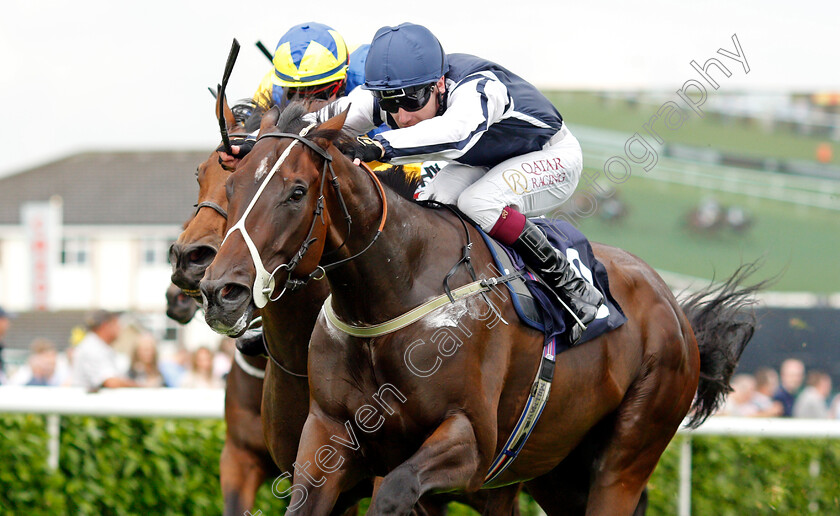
(208, 204)
(264, 282)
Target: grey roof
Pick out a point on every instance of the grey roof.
(110, 187)
(55, 326)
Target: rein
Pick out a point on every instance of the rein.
(277, 362)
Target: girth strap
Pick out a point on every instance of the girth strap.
(537, 400)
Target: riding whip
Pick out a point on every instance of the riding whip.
(234, 51)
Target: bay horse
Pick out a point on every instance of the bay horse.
(246, 460)
(614, 406)
(180, 307)
(262, 425)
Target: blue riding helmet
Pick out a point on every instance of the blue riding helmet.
(356, 70)
(404, 56)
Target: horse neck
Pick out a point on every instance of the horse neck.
(396, 273)
(288, 323)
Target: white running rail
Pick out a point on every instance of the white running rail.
(55, 402)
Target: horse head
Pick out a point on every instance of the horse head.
(179, 306)
(197, 244)
(279, 224)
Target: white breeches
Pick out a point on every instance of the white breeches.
(535, 183)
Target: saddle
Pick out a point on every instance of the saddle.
(534, 300)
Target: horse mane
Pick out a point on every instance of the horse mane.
(401, 181)
(291, 118)
(396, 177)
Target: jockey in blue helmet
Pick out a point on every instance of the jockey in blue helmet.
(509, 152)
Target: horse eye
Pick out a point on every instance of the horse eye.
(297, 193)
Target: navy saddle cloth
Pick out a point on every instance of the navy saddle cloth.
(534, 301)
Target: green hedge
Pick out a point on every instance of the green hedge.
(138, 466)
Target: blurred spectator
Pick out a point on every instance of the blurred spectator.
(4, 327)
(812, 402)
(792, 374)
(834, 410)
(43, 366)
(175, 367)
(42, 363)
(201, 375)
(95, 361)
(144, 362)
(223, 358)
(739, 402)
(766, 384)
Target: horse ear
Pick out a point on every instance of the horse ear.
(325, 134)
(335, 123)
(222, 105)
(269, 120)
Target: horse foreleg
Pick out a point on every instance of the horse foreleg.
(323, 468)
(241, 473)
(447, 460)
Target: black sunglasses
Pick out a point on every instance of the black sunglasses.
(411, 99)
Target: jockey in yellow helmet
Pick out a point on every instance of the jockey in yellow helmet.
(310, 61)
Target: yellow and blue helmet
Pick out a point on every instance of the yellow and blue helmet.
(310, 54)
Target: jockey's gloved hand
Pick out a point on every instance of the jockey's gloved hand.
(245, 145)
(367, 149)
(240, 147)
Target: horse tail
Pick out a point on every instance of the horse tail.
(723, 322)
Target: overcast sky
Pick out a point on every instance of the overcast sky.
(104, 75)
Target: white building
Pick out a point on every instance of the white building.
(93, 231)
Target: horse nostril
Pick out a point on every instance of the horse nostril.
(174, 253)
(201, 255)
(232, 292)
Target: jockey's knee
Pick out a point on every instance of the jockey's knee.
(484, 210)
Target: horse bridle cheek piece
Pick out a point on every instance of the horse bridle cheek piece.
(264, 282)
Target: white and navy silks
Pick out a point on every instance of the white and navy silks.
(506, 143)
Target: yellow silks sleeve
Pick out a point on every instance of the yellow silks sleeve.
(263, 94)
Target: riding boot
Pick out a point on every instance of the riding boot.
(582, 298)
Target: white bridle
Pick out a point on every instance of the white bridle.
(263, 281)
